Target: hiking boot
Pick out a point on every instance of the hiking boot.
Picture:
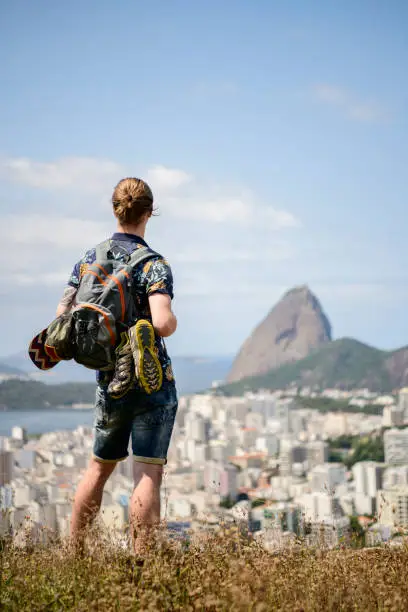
(124, 374)
(148, 370)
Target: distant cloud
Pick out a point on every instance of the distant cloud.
(166, 179)
(62, 232)
(85, 174)
(42, 249)
(236, 211)
(201, 224)
(348, 103)
(90, 176)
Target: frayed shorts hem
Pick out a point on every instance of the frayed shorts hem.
(151, 460)
(109, 460)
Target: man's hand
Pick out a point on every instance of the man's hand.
(163, 319)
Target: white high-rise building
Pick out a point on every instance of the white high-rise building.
(263, 403)
(200, 454)
(368, 477)
(317, 453)
(24, 494)
(212, 476)
(395, 476)
(282, 414)
(237, 408)
(392, 416)
(202, 405)
(254, 420)
(396, 446)
(218, 450)
(189, 449)
(19, 433)
(403, 402)
(298, 421)
(392, 506)
(318, 506)
(229, 481)
(268, 443)
(195, 427)
(336, 424)
(326, 477)
(249, 436)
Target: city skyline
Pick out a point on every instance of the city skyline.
(281, 469)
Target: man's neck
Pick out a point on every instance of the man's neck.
(136, 230)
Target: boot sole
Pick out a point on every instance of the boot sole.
(147, 365)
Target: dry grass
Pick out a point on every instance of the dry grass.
(223, 573)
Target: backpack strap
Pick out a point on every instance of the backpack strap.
(140, 255)
(102, 249)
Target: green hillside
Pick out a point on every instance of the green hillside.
(27, 395)
(343, 364)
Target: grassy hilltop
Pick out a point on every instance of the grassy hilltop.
(224, 573)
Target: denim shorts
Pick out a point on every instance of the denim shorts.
(145, 420)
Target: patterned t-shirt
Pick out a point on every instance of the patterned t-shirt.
(149, 277)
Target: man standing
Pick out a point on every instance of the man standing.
(143, 415)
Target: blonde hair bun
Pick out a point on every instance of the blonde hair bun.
(132, 198)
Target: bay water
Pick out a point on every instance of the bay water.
(42, 421)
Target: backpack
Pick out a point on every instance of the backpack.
(104, 307)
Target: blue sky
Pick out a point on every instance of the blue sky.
(274, 136)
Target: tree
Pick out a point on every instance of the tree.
(227, 502)
(357, 532)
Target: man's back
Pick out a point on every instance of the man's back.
(151, 278)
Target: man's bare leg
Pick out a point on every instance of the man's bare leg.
(88, 498)
(145, 503)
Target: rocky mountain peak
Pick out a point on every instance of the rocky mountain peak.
(295, 326)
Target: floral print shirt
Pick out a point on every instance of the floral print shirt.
(149, 277)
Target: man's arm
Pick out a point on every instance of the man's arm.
(159, 287)
(67, 300)
(163, 319)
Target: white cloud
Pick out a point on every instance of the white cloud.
(349, 103)
(84, 174)
(38, 231)
(165, 179)
(200, 225)
(41, 250)
(241, 211)
(95, 178)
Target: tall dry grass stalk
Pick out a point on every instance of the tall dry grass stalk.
(225, 571)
